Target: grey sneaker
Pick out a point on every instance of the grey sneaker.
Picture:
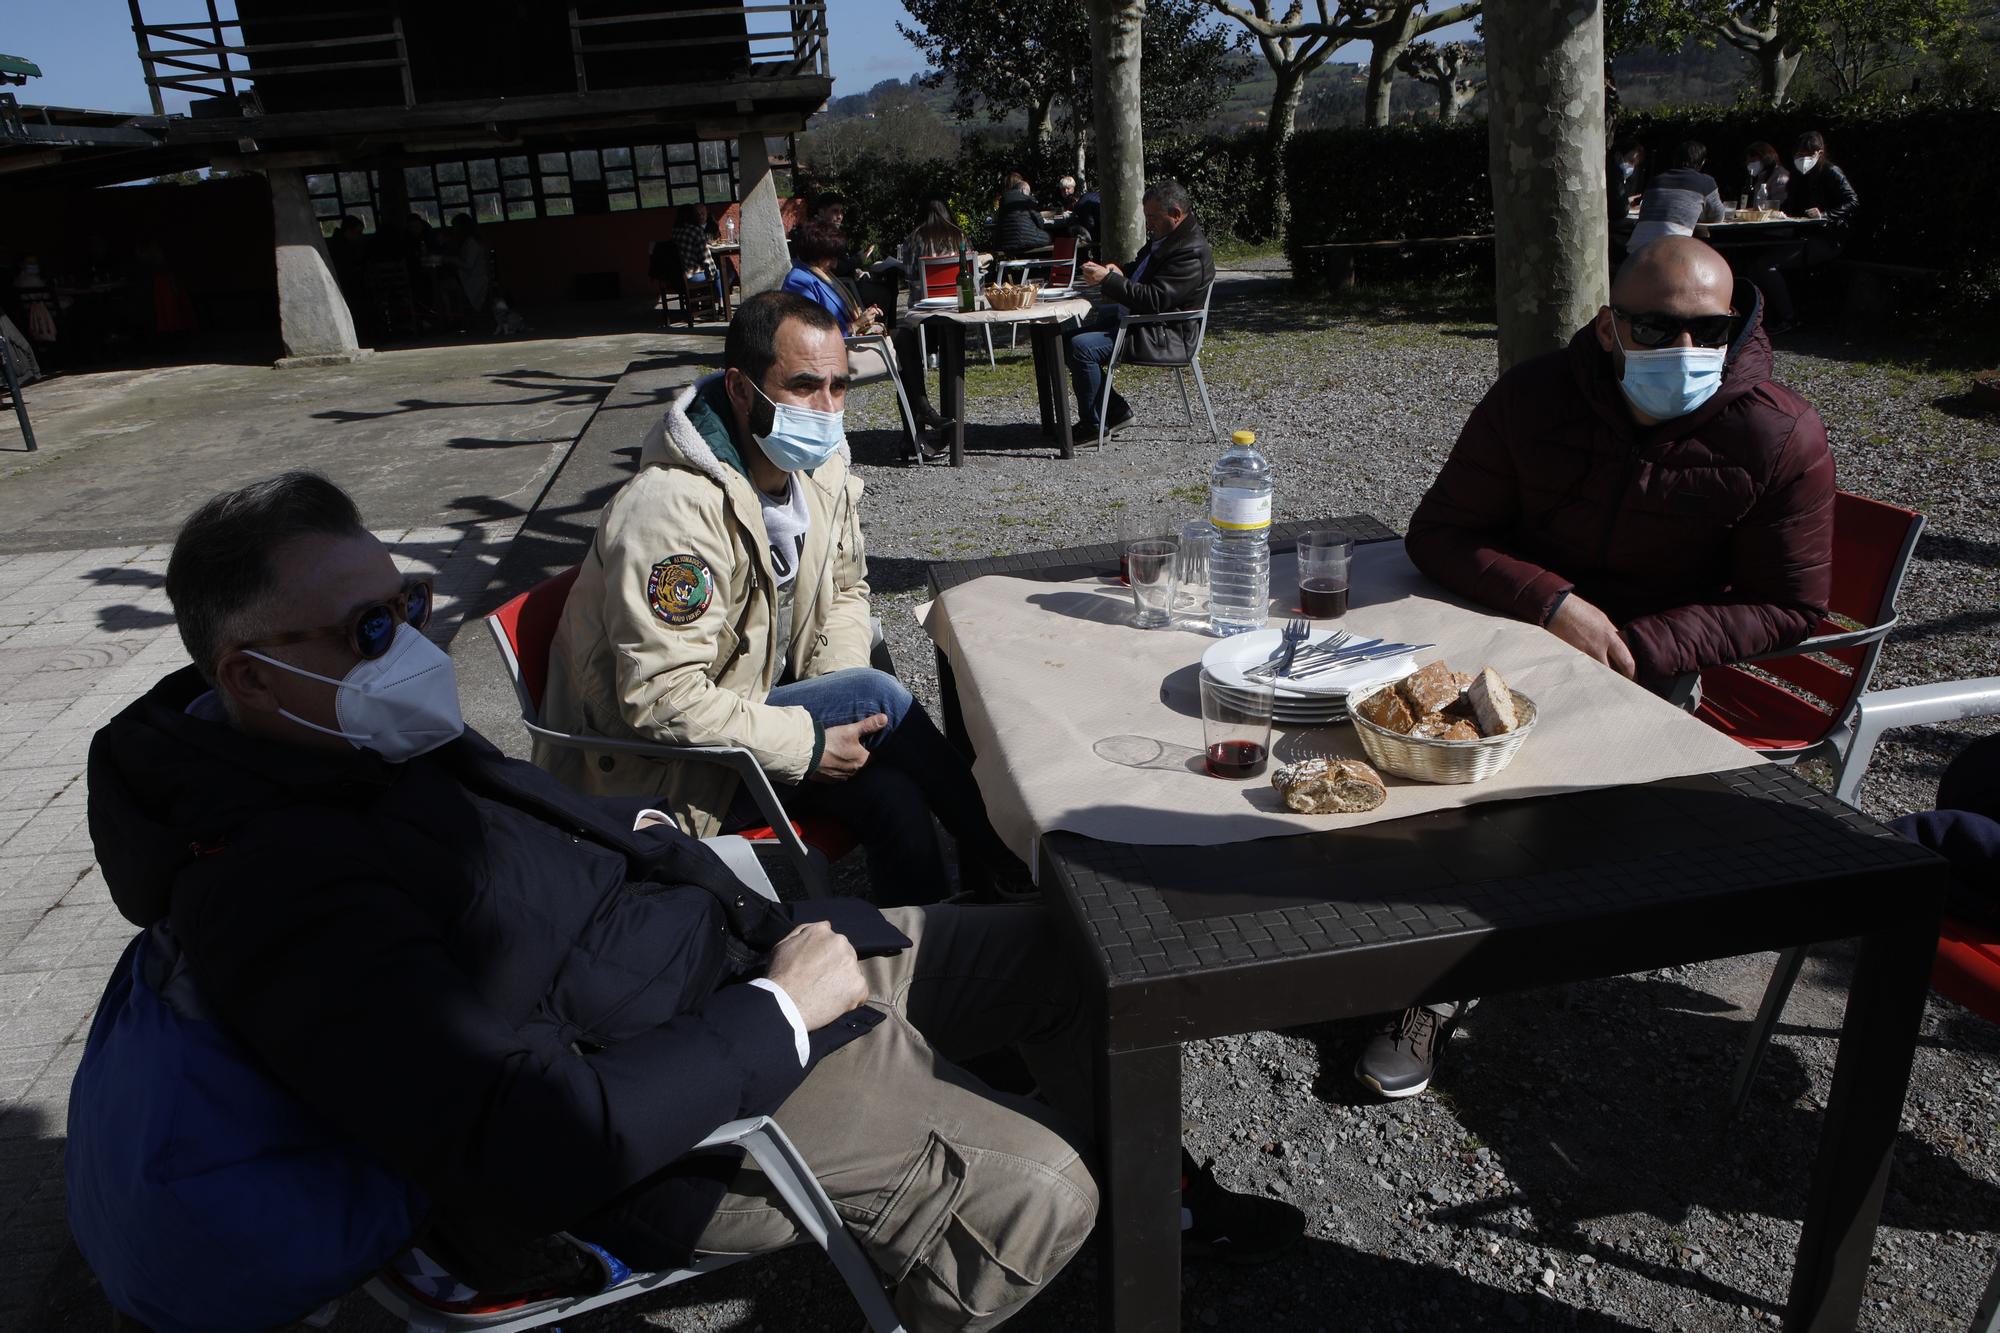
(1399, 1059)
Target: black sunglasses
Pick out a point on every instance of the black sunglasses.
(1654, 328)
(370, 630)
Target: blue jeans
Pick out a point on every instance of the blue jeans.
(1089, 354)
(912, 774)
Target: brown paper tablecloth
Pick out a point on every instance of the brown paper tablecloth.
(1049, 673)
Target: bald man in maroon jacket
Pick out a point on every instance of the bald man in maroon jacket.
(1649, 494)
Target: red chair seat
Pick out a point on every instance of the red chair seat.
(1968, 967)
(1756, 713)
(829, 837)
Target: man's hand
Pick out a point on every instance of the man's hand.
(845, 755)
(1096, 273)
(1814, 213)
(816, 966)
(1589, 631)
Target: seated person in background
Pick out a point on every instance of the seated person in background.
(1017, 226)
(1767, 183)
(533, 1004)
(877, 280)
(816, 250)
(936, 237)
(691, 235)
(1173, 272)
(1819, 189)
(1626, 177)
(1650, 495)
(1676, 199)
(725, 602)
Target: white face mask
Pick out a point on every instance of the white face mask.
(401, 705)
(1806, 163)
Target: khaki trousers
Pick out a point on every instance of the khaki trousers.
(968, 1200)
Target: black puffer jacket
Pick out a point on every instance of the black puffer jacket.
(490, 981)
(1017, 226)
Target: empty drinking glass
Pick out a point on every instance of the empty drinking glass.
(1191, 570)
(1150, 570)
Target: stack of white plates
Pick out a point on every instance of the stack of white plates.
(1318, 701)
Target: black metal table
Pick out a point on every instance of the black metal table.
(1183, 943)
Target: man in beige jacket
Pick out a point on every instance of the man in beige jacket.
(725, 601)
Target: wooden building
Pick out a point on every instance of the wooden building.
(513, 111)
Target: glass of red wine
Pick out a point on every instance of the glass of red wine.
(1324, 561)
(1236, 727)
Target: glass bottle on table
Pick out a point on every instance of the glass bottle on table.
(968, 288)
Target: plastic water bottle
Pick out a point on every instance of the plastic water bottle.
(1239, 562)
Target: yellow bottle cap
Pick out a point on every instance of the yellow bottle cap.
(1244, 437)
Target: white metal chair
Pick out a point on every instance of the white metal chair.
(436, 1305)
(872, 357)
(1199, 318)
(523, 629)
(1876, 712)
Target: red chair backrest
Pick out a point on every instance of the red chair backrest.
(1872, 544)
(1062, 272)
(527, 625)
(940, 276)
(1967, 969)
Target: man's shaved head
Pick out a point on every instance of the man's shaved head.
(1676, 275)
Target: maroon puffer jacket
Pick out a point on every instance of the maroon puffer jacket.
(1707, 539)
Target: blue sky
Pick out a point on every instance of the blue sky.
(88, 57)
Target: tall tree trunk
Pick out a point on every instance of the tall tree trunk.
(1776, 63)
(1121, 145)
(1082, 153)
(1041, 120)
(1447, 101)
(1278, 131)
(1545, 156)
(1381, 80)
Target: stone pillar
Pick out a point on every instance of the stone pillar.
(760, 223)
(312, 315)
(1545, 154)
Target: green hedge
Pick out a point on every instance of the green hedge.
(1930, 190)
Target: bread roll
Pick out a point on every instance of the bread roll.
(1428, 690)
(1386, 709)
(1320, 786)
(1493, 702)
(1441, 727)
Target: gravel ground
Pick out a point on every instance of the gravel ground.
(1570, 1168)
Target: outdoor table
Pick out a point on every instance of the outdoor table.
(1044, 321)
(1187, 942)
(1734, 237)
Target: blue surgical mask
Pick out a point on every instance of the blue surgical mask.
(801, 438)
(1669, 382)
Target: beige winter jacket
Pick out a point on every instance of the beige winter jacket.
(668, 633)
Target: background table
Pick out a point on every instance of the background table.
(1183, 943)
(1044, 320)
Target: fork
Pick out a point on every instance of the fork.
(1331, 644)
(1294, 634)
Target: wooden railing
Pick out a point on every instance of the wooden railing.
(782, 40)
(195, 58)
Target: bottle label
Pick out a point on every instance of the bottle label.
(1235, 511)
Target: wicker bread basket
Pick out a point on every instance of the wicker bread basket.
(1007, 296)
(1439, 761)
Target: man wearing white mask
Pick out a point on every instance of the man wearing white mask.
(725, 601)
(1649, 495)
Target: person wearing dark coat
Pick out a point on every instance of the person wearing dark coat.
(1818, 189)
(1649, 494)
(1017, 226)
(1965, 830)
(1172, 272)
(533, 1004)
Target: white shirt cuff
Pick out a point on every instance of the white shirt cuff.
(648, 818)
(792, 1016)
